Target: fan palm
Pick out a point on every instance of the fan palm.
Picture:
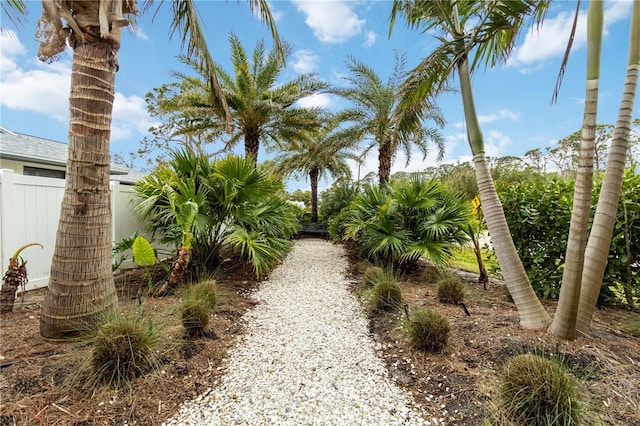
(231, 203)
(406, 220)
(81, 286)
(321, 152)
(475, 33)
(378, 118)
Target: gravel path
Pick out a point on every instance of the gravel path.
(307, 358)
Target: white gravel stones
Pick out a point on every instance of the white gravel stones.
(307, 358)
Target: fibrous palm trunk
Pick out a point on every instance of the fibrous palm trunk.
(599, 243)
(531, 312)
(81, 285)
(564, 321)
(252, 146)
(179, 268)
(313, 176)
(384, 162)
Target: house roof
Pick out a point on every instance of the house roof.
(21, 147)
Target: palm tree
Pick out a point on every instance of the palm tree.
(262, 108)
(81, 286)
(376, 115)
(323, 151)
(564, 321)
(475, 33)
(599, 242)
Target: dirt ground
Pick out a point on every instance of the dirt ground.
(458, 385)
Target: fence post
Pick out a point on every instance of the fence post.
(114, 186)
(8, 230)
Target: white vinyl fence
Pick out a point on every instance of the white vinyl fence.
(29, 213)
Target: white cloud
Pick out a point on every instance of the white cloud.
(496, 143)
(319, 100)
(129, 116)
(331, 21)
(43, 88)
(502, 114)
(305, 61)
(370, 38)
(550, 41)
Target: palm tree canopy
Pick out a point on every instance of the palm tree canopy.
(324, 150)
(484, 30)
(262, 106)
(377, 115)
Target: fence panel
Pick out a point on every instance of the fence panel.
(30, 210)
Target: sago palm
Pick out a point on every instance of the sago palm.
(475, 33)
(379, 121)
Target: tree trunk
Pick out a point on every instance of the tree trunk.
(564, 321)
(252, 146)
(178, 270)
(15, 276)
(532, 314)
(599, 243)
(81, 286)
(313, 176)
(384, 162)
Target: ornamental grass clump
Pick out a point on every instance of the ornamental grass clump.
(206, 291)
(450, 291)
(540, 392)
(195, 316)
(372, 274)
(386, 293)
(123, 349)
(428, 329)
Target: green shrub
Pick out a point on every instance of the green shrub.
(428, 329)
(450, 291)
(195, 316)
(123, 350)
(537, 391)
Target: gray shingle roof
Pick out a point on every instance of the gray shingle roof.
(21, 147)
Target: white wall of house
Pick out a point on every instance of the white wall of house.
(30, 210)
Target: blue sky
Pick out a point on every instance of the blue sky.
(513, 100)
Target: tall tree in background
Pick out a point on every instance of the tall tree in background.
(476, 33)
(599, 242)
(81, 286)
(262, 107)
(564, 321)
(323, 151)
(377, 118)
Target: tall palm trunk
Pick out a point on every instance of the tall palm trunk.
(564, 321)
(599, 243)
(313, 176)
(81, 286)
(532, 314)
(384, 162)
